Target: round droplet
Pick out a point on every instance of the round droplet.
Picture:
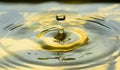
(60, 17)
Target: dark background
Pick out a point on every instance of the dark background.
(63, 1)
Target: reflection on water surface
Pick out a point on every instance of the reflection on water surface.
(60, 37)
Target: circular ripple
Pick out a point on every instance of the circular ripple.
(21, 42)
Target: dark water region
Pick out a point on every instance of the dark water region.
(62, 1)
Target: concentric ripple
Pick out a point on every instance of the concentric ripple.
(38, 40)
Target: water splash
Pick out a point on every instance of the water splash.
(57, 41)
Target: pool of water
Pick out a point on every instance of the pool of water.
(59, 36)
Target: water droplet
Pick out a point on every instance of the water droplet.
(60, 17)
(61, 35)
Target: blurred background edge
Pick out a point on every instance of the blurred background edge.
(61, 1)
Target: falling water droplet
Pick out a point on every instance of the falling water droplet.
(60, 17)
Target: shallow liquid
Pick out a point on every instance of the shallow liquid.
(20, 48)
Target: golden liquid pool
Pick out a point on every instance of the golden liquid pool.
(34, 39)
